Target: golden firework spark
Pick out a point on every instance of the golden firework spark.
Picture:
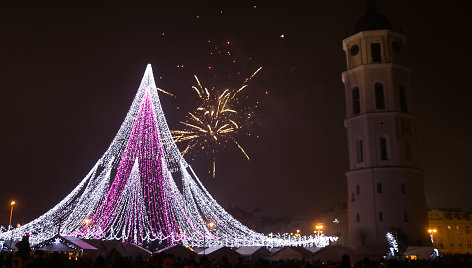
(215, 122)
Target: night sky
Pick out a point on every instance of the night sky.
(70, 71)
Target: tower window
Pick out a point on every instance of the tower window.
(379, 188)
(358, 217)
(383, 148)
(356, 102)
(405, 216)
(358, 189)
(467, 229)
(380, 216)
(403, 102)
(359, 151)
(379, 96)
(375, 50)
(403, 188)
(408, 153)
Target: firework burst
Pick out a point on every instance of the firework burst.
(216, 122)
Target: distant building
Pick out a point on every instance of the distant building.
(451, 230)
(335, 224)
(385, 181)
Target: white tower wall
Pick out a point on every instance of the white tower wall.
(385, 182)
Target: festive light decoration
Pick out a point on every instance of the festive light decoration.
(130, 194)
(392, 241)
(56, 241)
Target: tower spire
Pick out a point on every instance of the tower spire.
(372, 19)
(371, 5)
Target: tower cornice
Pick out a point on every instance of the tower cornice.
(376, 113)
(388, 66)
(373, 33)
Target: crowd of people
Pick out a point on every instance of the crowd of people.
(25, 258)
(113, 259)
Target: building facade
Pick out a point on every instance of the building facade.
(451, 230)
(385, 181)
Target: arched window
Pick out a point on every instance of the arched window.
(403, 101)
(408, 152)
(381, 217)
(358, 189)
(356, 102)
(383, 148)
(358, 217)
(379, 96)
(379, 188)
(403, 188)
(405, 216)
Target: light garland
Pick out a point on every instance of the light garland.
(392, 241)
(130, 194)
(56, 241)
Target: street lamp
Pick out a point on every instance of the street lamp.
(431, 233)
(319, 228)
(9, 224)
(11, 213)
(211, 225)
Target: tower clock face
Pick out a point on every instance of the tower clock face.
(354, 50)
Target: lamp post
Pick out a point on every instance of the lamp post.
(9, 224)
(211, 225)
(319, 229)
(431, 233)
(11, 213)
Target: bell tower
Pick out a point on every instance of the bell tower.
(385, 181)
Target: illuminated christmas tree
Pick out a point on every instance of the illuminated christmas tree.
(131, 195)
